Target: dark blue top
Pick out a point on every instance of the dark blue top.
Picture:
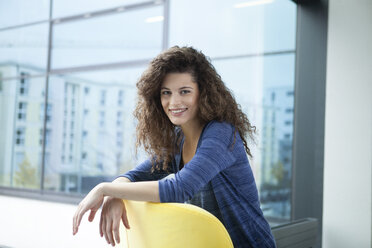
(224, 167)
(205, 197)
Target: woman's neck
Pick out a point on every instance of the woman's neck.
(192, 132)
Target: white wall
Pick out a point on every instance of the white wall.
(28, 223)
(348, 128)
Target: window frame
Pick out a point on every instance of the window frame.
(309, 111)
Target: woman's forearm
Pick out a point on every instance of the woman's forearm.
(121, 180)
(137, 191)
(118, 180)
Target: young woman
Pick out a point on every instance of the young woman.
(197, 137)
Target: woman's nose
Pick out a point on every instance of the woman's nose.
(175, 99)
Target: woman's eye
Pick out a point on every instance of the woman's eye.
(185, 91)
(165, 92)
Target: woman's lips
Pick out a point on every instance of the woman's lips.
(177, 112)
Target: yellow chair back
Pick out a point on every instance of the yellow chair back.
(173, 225)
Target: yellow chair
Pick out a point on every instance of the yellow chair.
(173, 225)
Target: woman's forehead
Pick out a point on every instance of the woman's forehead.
(178, 80)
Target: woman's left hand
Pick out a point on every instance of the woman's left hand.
(92, 202)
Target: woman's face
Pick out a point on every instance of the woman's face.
(179, 96)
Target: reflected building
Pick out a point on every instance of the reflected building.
(277, 132)
(254, 112)
(21, 125)
(276, 146)
(86, 126)
(93, 124)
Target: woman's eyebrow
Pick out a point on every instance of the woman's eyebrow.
(186, 87)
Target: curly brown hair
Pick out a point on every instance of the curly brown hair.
(155, 131)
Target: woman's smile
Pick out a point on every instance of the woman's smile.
(177, 112)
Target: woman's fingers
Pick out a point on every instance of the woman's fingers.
(113, 211)
(73, 224)
(92, 201)
(124, 218)
(109, 233)
(103, 227)
(100, 225)
(91, 215)
(115, 229)
(77, 219)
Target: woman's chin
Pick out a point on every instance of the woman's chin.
(177, 123)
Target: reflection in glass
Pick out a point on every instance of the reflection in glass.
(228, 30)
(17, 12)
(91, 128)
(108, 39)
(264, 87)
(21, 102)
(25, 48)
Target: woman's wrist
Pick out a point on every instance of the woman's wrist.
(101, 188)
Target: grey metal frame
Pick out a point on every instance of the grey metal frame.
(50, 38)
(300, 234)
(309, 116)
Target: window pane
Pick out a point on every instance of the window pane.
(17, 12)
(72, 7)
(20, 149)
(25, 48)
(219, 28)
(264, 87)
(119, 37)
(253, 48)
(91, 140)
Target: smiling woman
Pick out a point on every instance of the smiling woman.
(196, 136)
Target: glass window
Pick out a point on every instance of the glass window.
(24, 50)
(23, 84)
(47, 136)
(120, 98)
(103, 97)
(17, 12)
(89, 114)
(20, 136)
(102, 119)
(225, 28)
(42, 111)
(22, 111)
(108, 39)
(119, 139)
(260, 84)
(260, 72)
(92, 152)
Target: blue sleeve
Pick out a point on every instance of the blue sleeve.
(142, 172)
(213, 156)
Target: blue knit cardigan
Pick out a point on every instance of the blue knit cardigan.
(224, 163)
